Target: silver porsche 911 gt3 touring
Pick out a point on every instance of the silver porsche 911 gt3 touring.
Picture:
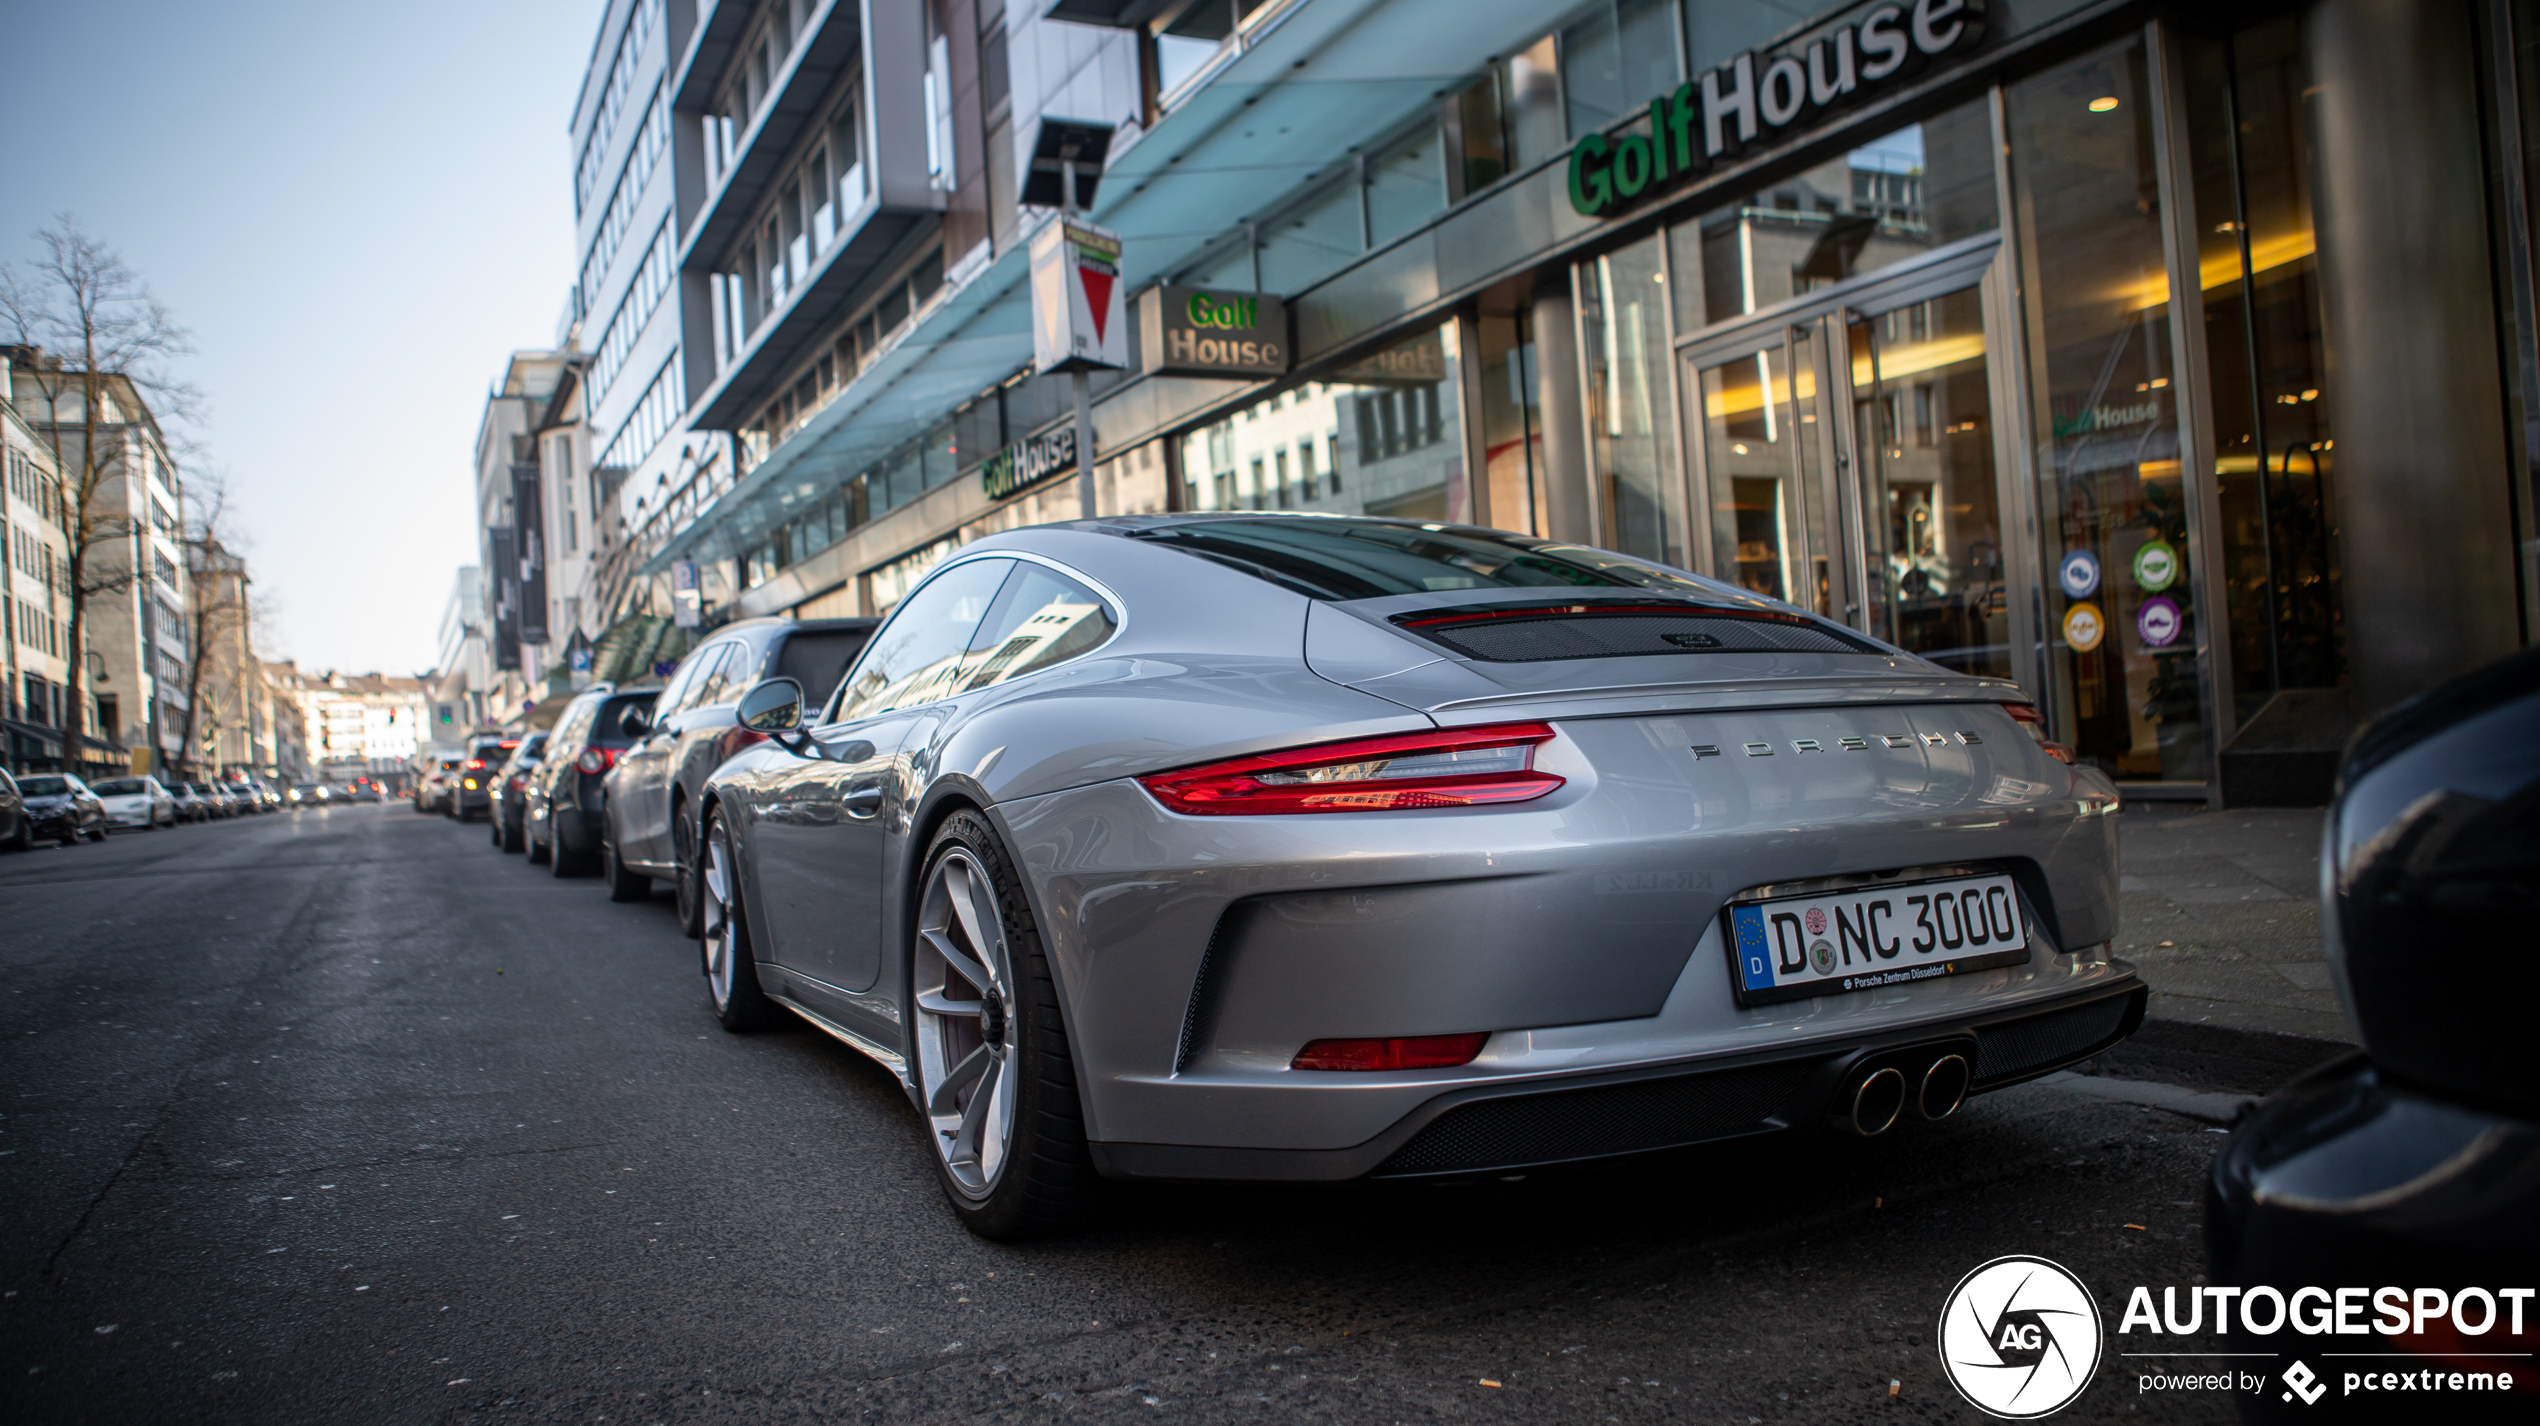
(1252, 846)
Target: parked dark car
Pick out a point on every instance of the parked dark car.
(473, 793)
(509, 802)
(190, 806)
(20, 833)
(567, 792)
(60, 806)
(651, 823)
(2415, 1162)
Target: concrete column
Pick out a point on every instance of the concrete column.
(1567, 502)
(2424, 510)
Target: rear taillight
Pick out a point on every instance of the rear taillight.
(474, 764)
(1454, 767)
(1415, 1052)
(596, 760)
(2035, 723)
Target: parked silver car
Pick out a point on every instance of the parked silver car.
(1283, 847)
(648, 821)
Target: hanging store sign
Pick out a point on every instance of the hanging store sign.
(687, 595)
(1760, 98)
(1191, 331)
(1028, 462)
(1077, 318)
(529, 522)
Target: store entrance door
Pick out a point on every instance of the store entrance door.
(1848, 447)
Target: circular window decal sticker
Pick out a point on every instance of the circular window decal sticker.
(2155, 566)
(2079, 574)
(2159, 622)
(2083, 628)
(2020, 1338)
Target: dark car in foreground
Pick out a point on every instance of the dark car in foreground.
(59, 806)
(473, 791)
(2414, 1163)
(568, 791)
(1281, 847)
(651, 825)
(507, 806)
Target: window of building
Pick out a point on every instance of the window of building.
(643, 295)
(650, 142)
(653, 416)
(614, 90)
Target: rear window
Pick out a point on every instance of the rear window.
(1366, 559)
(818, 659)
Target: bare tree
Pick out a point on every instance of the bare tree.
(85, 324)
(218, 615)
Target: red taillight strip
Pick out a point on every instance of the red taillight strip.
(1233, 788)
(2030, 719)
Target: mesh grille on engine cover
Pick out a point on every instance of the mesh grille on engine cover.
(1606, 1119)
(1605, 636)
(2066, 1034)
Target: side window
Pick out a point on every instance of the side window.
(919, 655)
(1040, 618)
(721, 682)
(696, 678)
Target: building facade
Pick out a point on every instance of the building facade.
(360, 725)
(2178, 366)
(35, 591)
(131, 587)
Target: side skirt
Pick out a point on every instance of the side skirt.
(890, 1060)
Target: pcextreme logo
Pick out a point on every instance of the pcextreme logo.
(2019, 1338)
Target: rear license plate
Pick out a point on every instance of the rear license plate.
(1826, 943)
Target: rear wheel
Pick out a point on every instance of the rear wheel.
(995, 1077)
(624, 885)
(731, 973)
(538, 851)
(511, 833)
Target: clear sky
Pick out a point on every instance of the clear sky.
(358, 211)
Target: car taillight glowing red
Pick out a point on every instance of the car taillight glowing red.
(474, 764)
(1413, 1052)
(1451, 767)
(2035, 723)
(596, 760)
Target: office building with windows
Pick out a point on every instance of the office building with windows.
(2177, 365)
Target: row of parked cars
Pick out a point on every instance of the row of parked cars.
(1263, 847)
(66, 808)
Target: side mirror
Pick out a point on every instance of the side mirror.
(633, 722)
(775, 706)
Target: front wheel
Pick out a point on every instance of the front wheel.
(995, 1077)
(98, 832)
(731, 971)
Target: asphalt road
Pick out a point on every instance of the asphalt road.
(339, 1115)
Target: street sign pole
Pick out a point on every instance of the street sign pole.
(1083, 383)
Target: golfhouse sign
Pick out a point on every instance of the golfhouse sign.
(1757, 97)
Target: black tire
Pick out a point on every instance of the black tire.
(23, 839)
(624, 884)
(538, 851)
(99, 833)
(71, 837)
(725, 953)
(1047, 1183)
(685, 876)
(510, 835)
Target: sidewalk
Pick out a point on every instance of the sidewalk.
(2219, 912)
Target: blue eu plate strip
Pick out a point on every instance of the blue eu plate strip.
(1754, 953)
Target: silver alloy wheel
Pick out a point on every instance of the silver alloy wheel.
(718, 937)
(962, 984)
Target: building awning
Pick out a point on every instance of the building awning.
(1285, 106)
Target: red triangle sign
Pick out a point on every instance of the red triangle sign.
(1098, 296)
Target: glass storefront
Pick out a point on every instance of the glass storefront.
(1380, 436)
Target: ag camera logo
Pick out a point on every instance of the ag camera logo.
(2020, 1338)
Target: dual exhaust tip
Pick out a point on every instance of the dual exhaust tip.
(1876, 1096)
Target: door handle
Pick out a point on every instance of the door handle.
(864, 803)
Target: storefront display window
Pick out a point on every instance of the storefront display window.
(2274, 455)
(2119, 595)
(1380, 436)
(1512, 423)
(1631, 445)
